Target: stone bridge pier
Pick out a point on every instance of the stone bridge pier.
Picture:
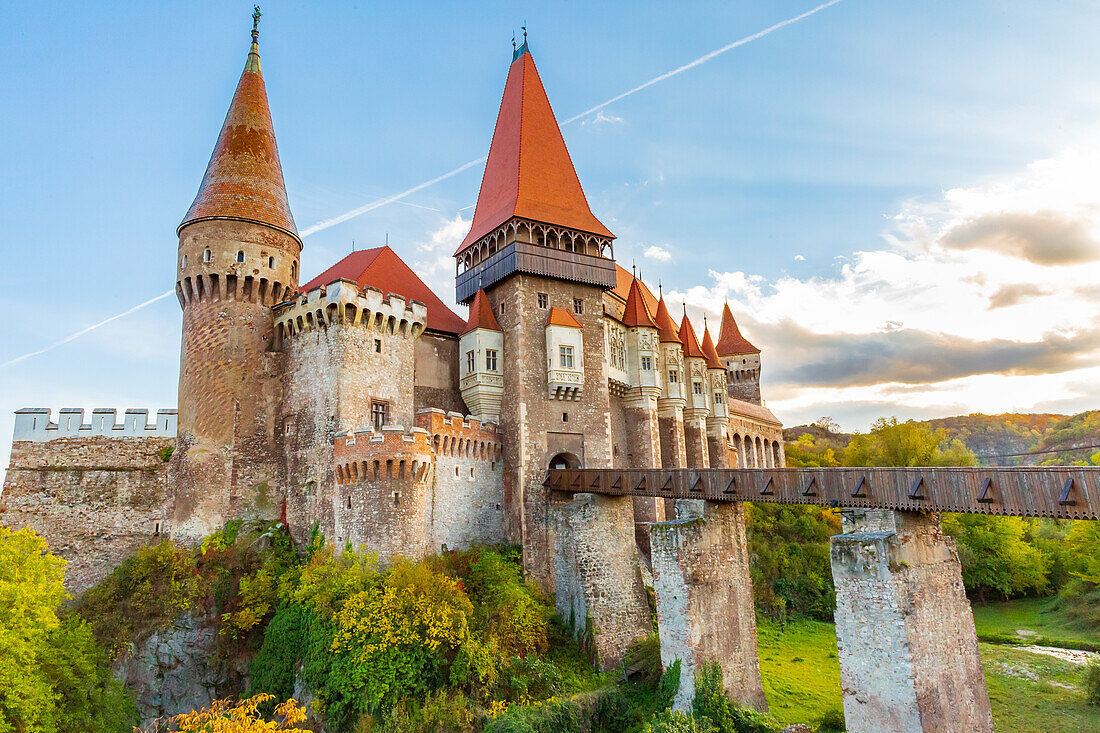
(905, 632)
(705, 608)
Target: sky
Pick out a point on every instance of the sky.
(898, 200)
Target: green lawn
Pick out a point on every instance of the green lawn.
(1028, 692)
(1030, 614)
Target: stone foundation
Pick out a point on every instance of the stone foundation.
(905, 632)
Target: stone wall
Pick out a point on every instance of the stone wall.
(435, 375)
(95, 500)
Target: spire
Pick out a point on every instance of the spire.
(481, 315)
(636, 313)
(730, 340)
(529, 173)
(713, 362)
(689, 339)
(666, 327)
(244, 179)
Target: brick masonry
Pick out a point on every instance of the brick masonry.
(905, 632)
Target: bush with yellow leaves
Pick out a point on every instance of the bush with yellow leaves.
(226, 716)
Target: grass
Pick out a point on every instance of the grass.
(1037, 615)
(1021, 685)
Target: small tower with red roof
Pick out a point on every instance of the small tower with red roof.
(718, 419)
(481, 360)
(670, 406)
(698, 402)
(238, 256)
(741, 360)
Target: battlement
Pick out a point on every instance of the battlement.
(389, 453)
(453, 434)
(343, 302)
(34, 424)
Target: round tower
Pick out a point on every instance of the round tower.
(238, 256)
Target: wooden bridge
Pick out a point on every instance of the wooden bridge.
(1061, 492)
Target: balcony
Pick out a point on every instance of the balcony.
(535, 259)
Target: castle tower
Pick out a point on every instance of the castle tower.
(698, 404)
(238, 256)
(544, 261)
(718, 419)
(481, 352)
(670, 407)
(741, 360)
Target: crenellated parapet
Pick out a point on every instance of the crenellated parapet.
(342, 302)
(389, 453)
(455, 435)
(35, 424)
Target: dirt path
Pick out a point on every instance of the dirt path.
(1075, 656)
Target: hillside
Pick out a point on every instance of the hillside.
(995, 439)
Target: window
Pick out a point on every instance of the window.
(544, 300)
(183, 262)
(469, 361)
(697, 387)
(565, 417)
(379, 414)
(240, 256)
(578, 306)
(378, 346)
(673, 376)
(293, 269)
(490, 360)
(565, 354)
(717, 398)
(270, 261)
(206, 256)
(502, 308)
(646, 364)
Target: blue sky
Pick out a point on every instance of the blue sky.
(899, 199)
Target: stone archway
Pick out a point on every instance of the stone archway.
(564, 460)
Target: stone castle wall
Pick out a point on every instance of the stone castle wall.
(94, 499)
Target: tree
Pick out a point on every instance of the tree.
(225, 716)
(891, 443)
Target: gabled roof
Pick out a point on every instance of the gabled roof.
(730, 340)
(667, 333)
(381, 268)
(529, 172)
(481, 315)
(636, 313)
(562, 317)
(689, 339)
(244, 179)
(713, 362)
(623, 280)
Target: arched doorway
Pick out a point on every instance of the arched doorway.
(564, 460)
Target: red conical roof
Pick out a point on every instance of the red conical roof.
(244, 179)
(713, 362)
(529, 172)
(481, 314)
(636, 313)
(689, 339)
(730, 340)
(666, 327)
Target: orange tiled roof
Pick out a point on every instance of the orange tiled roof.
(623, 279)
(244, 179)
(636, 313)
(730, 340)
(667, 333)
(481, 314)
(713, 362)
(561, 317)
(529, 172)
(381, 268)
(689, 339)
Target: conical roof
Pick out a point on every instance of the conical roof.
(481, 314)
(713, 362)
(636, 313)
(667, 332)
(529, 173)
(689, 339)
(730, 340)
(244, 179)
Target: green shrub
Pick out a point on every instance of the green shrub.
(643, 660)
(166, 453)
(668, 686)
(1092, 683)
(831, 722)
(712, 703)
(668, 721)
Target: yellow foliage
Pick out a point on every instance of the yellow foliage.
(225, 716)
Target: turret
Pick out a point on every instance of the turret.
(741, 360)
(698, 401)
(716, 377)
(672, 357)
(238, 256)
(642, 347)
(481, 355)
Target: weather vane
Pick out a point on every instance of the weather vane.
(256, 15)
(513, 40)
(525, 33)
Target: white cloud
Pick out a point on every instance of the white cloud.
(983, 299)
(799, 258)
(602, 118)
(661, 254)
(435, 264)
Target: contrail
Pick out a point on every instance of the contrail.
(697, 62)
(81, 332)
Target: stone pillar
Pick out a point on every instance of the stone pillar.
(695, 438)
(717, 448)
(705, 606)
(670, 420)
(644, 440)
(598, 576)
(905, 632)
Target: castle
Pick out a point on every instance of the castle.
(361, 404)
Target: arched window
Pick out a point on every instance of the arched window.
(240, 256)
(270, 261)
(206, 256)
(293, 270)
(183, 262)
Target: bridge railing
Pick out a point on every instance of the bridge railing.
(1063, 492)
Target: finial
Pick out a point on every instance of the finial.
(513, 41)
(660, 289)
(256, 15)
(634, 269)
(524, 32)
